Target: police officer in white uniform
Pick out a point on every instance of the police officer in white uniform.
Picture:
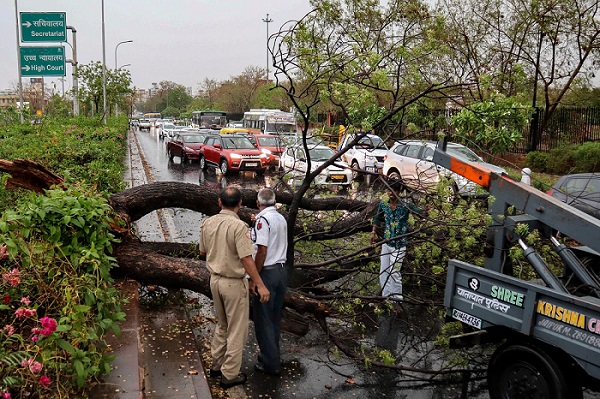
(269, 234)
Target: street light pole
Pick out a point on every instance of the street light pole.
(116, 69)
(267, 20)
(74, 73)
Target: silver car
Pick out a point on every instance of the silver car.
(412, 161)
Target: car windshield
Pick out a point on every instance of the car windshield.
(372, 143)
(320, 154)
(193, 138)
(463, 153)
(269, 141)
(168, 126)
(588, 188)
(237, 142)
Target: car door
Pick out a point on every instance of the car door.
(209, 150)
(408, 161)
(427, 171)
(176, 145)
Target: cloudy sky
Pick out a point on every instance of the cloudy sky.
(184, 41)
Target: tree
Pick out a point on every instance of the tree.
(176, 264)
(514, 46)
(237, 95)
(169, 95)
(118, 86)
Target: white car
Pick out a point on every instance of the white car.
(366, 155)
(411, 161)
(294, 161)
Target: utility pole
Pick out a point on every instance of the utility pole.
(117, 69)
(74, 71)
(267, 20)
(19, 65)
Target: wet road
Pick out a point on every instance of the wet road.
(311, 368)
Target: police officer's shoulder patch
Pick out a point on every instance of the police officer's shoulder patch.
(259, 225)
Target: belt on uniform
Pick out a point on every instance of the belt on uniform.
(273, 266)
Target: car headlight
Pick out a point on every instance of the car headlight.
(236, 156)
(188, 149)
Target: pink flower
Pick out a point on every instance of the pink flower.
(24, 312)
(6, 299)
(10, 330)
(34, 366)
(6, 395)
(13, 277)
(49, 324)
(45, 381)
(25, 300)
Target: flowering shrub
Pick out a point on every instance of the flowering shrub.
(56, 296)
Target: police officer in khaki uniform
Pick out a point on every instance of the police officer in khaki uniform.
(226, 246)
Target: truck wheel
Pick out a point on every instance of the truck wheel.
(355, 172)
(224, 166)
(519, 371)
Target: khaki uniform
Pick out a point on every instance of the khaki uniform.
(225, 239)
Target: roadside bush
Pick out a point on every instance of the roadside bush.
(587, 157)
(58, 301)
(537, 161)
(77, 149)
(561, 160)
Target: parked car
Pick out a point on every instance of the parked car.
(232, 153)
(294, 161)
(366, 155)
(411, 161)
(186, 146)
(581, 191)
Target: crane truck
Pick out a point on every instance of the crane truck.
(548, 329)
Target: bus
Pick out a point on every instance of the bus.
(152, 115)
(209, 119)
(271, 121)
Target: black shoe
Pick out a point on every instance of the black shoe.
(215, 373)
(227, 383)
(261, 367)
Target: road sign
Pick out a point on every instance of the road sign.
(43, 27)
(42, 61)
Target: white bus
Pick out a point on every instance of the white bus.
(271, 121)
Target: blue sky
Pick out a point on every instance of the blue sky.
(184, 41)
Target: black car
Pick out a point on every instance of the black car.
(581, 191)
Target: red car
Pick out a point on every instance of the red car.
(186, 146)
(232, 153)
(270, 145)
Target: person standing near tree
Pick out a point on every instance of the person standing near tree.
(227, 249)
(392, 214)
(269, 234)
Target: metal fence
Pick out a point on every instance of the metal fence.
(566, 126)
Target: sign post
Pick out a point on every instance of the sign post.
(42, 61)
(43, 27)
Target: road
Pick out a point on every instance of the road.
(312, 368)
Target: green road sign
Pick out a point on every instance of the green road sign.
(42, 61)
(43, 27)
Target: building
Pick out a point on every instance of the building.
(8, 98)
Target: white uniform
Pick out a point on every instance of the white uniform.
(266, 221)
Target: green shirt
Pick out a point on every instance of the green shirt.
(396, 221)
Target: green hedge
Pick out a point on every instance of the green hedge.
(569, 159)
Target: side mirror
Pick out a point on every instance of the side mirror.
(217, 145)
(429, 158)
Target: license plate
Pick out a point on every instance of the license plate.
(337, 177)
(251, 164)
